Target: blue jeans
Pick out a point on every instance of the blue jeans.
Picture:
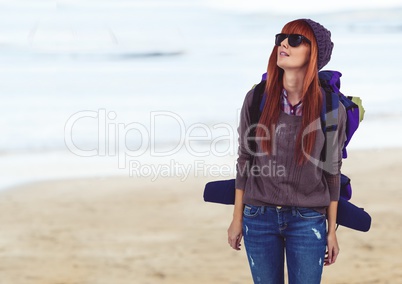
(270, 232)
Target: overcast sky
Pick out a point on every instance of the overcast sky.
(302, 6)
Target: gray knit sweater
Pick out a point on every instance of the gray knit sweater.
(277, 179)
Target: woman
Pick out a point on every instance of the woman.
(291, 211)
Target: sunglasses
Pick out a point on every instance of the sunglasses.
(294, 39)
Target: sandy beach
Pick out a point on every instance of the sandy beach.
(120, 230)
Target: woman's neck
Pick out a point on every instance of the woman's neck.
(293, 84)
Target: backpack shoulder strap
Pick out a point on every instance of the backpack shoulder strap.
(330, 82)
(329, 111)
(330, 105)
(255, 112)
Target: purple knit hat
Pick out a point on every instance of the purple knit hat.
(323, 38)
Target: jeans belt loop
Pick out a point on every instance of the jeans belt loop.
(262, 209)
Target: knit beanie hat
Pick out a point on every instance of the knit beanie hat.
(323, 38)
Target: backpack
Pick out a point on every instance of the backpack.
(349, 215)
(330, 84)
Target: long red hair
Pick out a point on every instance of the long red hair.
(311, 95)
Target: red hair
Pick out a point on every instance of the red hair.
(311, 95)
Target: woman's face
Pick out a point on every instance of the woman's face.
(293, 57)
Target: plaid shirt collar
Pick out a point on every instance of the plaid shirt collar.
(287, 107)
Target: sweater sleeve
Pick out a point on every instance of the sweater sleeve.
(335, 142)
(244, 155)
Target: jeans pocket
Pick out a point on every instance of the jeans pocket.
(308, 214)
(251, 211)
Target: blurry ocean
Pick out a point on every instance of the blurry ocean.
(143, 71)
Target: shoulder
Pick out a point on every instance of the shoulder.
(342, 109)
(342, 116)
(248, 100)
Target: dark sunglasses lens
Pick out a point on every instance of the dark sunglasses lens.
(279, 38)
(295, 40)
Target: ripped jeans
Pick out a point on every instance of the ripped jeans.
(270, 232)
